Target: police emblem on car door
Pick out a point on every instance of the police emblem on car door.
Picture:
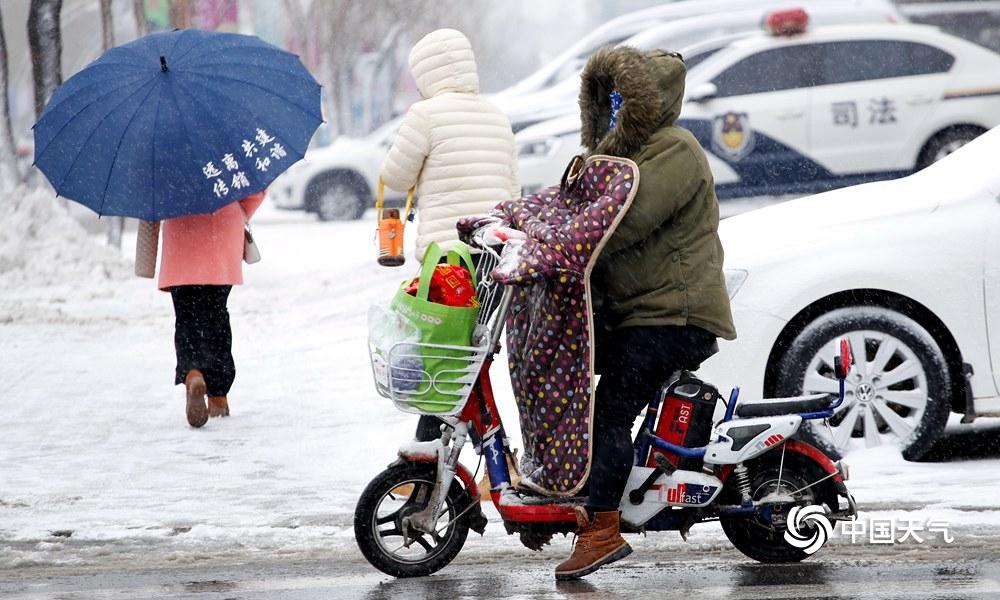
(732, 137)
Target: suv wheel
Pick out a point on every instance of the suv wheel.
(336, 200)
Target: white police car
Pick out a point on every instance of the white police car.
(808, 111)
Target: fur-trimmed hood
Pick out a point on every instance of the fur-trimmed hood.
(652, 86)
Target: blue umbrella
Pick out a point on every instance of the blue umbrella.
(177, 123)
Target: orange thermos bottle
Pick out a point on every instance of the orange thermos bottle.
(390, 229)
(390, 239)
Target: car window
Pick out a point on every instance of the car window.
(695, 59)
(864, 60)
(574, 65)
(770, 70)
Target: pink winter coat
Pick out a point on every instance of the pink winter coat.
(206, 249)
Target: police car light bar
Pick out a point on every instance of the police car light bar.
(793, 21)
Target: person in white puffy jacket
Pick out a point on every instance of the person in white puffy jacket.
(456, 147)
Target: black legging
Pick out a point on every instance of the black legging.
(635, 363)
(202, 337)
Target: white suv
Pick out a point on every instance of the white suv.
(337, 182)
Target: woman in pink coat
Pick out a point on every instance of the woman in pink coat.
(202, 261)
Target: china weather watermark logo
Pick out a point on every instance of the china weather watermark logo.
(808, 528)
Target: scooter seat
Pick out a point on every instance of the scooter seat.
(772, 407)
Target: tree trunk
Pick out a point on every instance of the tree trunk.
(180, 14)
(141, 24)
(116, 225)
(45, 41)
(107, 26)
(8, 158)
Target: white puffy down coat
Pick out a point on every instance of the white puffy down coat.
(456, 147)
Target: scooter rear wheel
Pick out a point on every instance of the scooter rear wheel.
(762, 539)
(399, 491)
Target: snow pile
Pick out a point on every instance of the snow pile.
(42, 244)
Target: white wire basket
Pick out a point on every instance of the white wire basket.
(401, 376)
(398, 360)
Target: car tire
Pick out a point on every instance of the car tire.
(899, 389)
(945, 142)
(333, 198)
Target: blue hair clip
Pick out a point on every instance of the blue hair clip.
(616, 105)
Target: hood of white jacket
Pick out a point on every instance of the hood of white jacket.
(442, 62)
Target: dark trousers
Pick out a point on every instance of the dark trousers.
(202, 336)
(635, 363)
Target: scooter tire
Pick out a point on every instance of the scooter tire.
(366, 528)
(757, 540)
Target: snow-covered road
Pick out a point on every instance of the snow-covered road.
(98, 467)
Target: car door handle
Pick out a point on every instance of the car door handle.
(788, 115)
(919, 100)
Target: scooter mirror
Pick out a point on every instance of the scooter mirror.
(842, 364)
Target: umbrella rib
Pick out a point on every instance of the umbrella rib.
(176, 40)
(306, 79)
(83, 108)
(251, 84)
(194, 98)
(107, 183)
(187, 135)
(241, 44)
(255, 115)
(152, 159)
(86, 141)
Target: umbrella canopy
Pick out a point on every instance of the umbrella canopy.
(177, 123)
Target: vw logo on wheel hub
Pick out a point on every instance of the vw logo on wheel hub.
(865, 392)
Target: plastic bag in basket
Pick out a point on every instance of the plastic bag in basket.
(387, 328)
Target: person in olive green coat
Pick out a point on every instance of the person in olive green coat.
(659, 290)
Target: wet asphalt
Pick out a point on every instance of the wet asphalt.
(941, 574)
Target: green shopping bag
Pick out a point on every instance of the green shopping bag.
(440, 324)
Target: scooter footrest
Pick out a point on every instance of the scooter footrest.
(562, 500)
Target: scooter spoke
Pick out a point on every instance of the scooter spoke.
(390, 532)
(423, 542)
(388, 518)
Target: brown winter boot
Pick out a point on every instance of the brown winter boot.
(218, 406)
(598, 542)
(197, 412)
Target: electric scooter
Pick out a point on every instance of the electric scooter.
(751, 475)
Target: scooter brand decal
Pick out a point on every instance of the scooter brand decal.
(684, 493)
(494, 453)
(770, 441)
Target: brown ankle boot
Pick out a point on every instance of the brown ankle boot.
(218, 406)
(598, 542)
(197, 412)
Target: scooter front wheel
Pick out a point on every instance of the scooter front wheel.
(383, 535)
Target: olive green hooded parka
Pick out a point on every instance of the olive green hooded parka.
(663, 264)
